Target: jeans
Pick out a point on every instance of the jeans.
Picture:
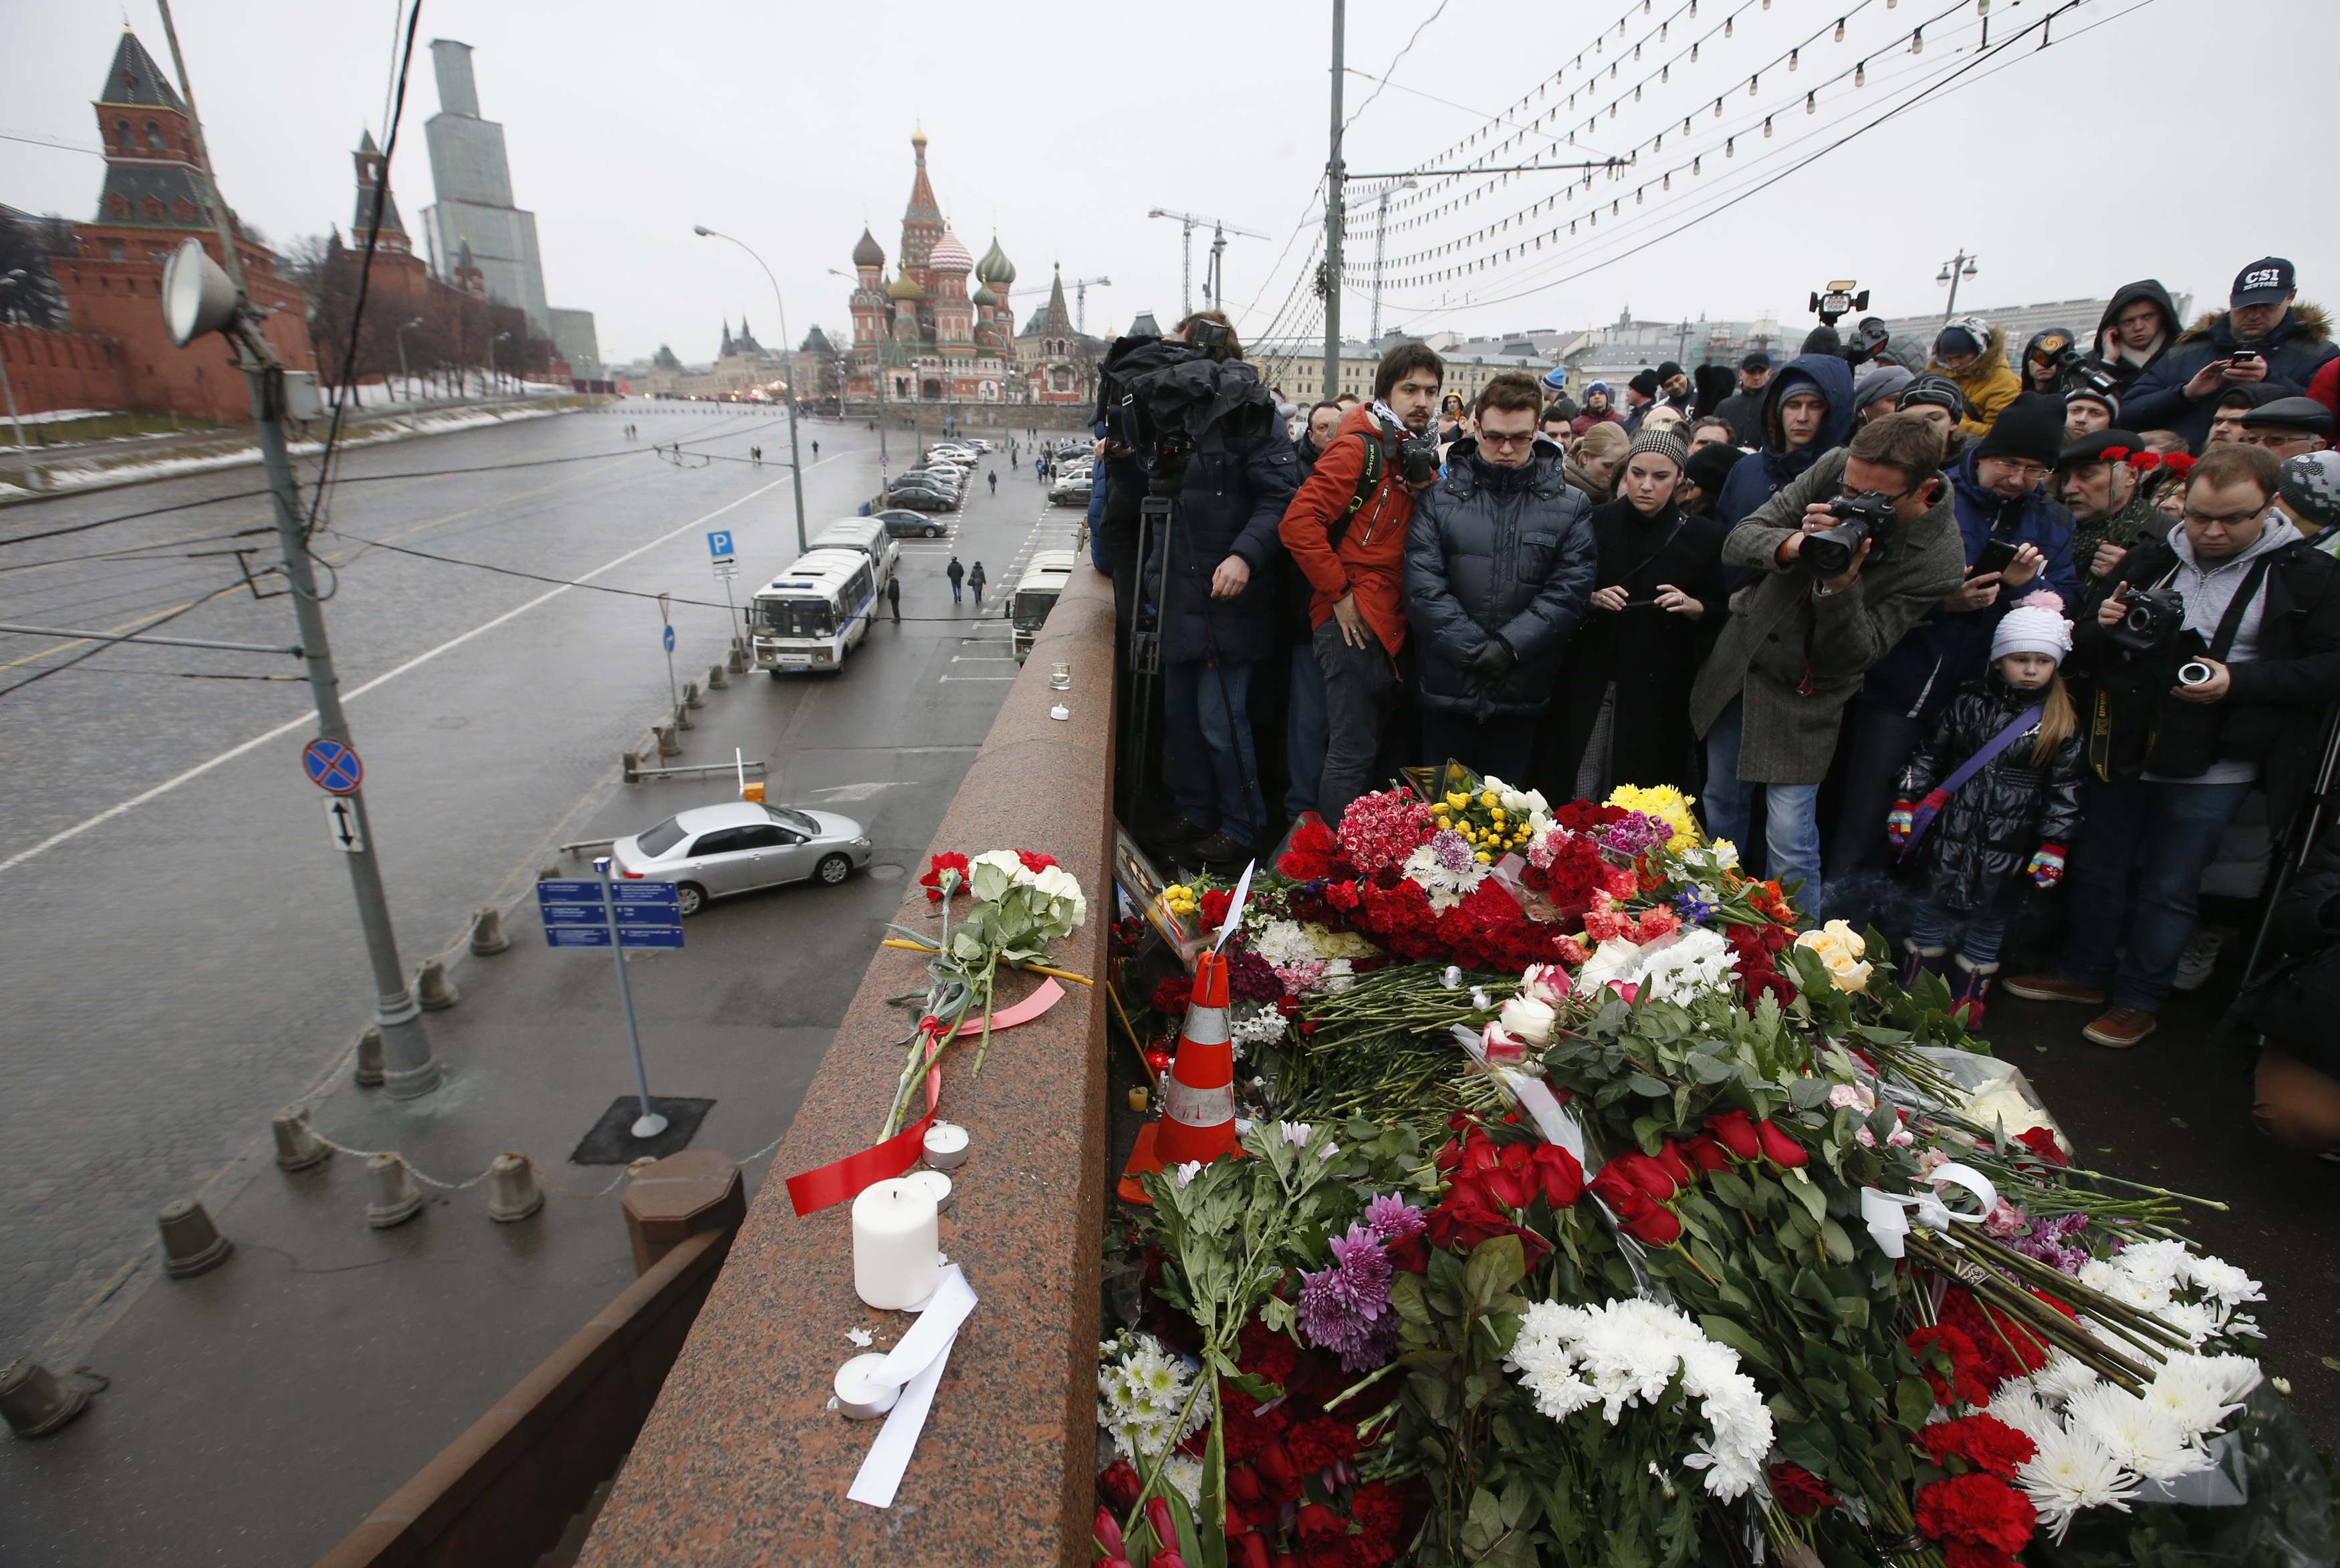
(1214, 776)
(1876, 751)
(1360, 688)
(2162, 835)
(955, 590)
(1303, 732)
(1501, 747)
(1792, 828)
(1931, 928)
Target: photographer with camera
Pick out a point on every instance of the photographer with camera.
(1215, 570)
(2013, 539)
(2047, 358)
(1846, 558)
(1498, 562)
(2261, 336)
(1346, 531)
(2213, 659)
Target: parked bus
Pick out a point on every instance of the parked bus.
(811, 615)
(867, 534)
(1036, 595)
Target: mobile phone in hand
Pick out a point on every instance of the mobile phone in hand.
(2243, 356)
(1997, 556)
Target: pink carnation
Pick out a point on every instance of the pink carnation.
(1660, 920)
(1380, 830)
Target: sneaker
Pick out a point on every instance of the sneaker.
(2056, 987)
(1217, 850)
(2120, 1027)
(2200, 957)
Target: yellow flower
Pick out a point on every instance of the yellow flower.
(1840, 947)
(1497, 814)
(1487, 797)
(1457, 799)
(1483, 858)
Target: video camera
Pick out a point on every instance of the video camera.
(1159, 399)
(2078, 370)
(2154, 617)
(1868, 516)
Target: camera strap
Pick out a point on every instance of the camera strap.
(2230, 625)
(1369, 479)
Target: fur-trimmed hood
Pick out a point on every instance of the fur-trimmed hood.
(1994, 350)
(2306, 320)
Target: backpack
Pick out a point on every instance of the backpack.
(1369, 479)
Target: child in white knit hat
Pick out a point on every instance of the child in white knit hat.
(1989, 802)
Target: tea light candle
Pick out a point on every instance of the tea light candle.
(946, 1146)
(937, 1186)
(858, 1394)
(895, 1254)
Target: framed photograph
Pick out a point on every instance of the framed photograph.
(1143, 883)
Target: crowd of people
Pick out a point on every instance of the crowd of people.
(1933, 630)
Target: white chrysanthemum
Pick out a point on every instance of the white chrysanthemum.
(1446, 888)
(2062, 1377)
(2162, 1262)
(1262, 1026)
(2191, 1392)
(2142, 1438)
(2194, 1319)
(1340, 974)
(1186, 1476)
(2098, 1276)
(2072, 1471)
(2223, 1280)
(1686, 964)
(2240, 1374)
(2023, 1411)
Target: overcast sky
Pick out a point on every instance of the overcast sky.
(2176, 139)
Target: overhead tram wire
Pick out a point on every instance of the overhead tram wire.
(46, 671)
(1412, 39)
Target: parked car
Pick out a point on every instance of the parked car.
(715, 851)
(908, 525)
(942, 474)
(919, 498)
(979, 444)
(1070, 492)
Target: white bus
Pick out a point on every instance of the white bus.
(867, 534)
(810, 615)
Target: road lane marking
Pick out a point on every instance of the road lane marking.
(309, 717)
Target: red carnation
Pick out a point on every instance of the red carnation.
(2114, 454)
(1779, 1147)
(1735, 1130)
(1342, 895)
(1798, 1491)
(1034, 861)
(1966, 1382)
(1975, 1511)
(1212, 906)
(933, 880)
(1170, 997)
(2179, 463)
(1984, 1442)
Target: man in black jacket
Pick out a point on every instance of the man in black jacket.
(2257, 662)
(1498, 562)
(2263, 336)
(1744, 408)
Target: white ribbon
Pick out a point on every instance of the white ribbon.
(1535, 1096)
(1890, 1217)
(914, 1365)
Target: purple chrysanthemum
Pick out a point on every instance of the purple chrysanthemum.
(1633, 836)
(1344, 1307)
(1392, 1218)
(1452, 850)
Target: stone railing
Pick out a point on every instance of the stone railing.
(741, 1461)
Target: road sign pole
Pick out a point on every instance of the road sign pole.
(650, 1124)
(409, 1071)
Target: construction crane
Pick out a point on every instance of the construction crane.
(1081, 287)
(1214, 283)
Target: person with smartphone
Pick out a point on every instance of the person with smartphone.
(2265, 334)
(2016, 539)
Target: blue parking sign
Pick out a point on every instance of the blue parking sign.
(719, 543)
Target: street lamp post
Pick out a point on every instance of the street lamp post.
(795, 466)
(401, 335)
(1958, 266)
(15, 276)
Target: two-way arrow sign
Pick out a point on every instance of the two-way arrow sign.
(342, 827)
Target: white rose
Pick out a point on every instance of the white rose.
(1529, 1020)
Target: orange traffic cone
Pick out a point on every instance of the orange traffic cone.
(1198, 1095)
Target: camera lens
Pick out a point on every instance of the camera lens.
(2193, 673)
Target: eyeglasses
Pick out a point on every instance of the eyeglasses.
(1490, 439)
(2034, 473)
(2231, 520)
(1854, 493)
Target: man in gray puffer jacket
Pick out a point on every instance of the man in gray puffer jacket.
(1499, 563)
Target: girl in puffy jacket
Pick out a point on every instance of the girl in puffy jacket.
(2006, 822)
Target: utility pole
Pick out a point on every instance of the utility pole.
(1958, 266)
(409, 1070)
(796, 467)
(1335, 176)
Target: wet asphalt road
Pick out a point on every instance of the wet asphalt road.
(179, 948)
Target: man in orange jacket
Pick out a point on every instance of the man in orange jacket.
(1349, 539)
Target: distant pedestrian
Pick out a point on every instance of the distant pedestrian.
(955, 572)
(816, 452)
(975, 581)
(992, 477)
(894, 597)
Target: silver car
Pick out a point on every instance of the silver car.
(709, 852)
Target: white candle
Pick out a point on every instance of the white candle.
(937, 1186)
(857, 1396)
(946, 1145)
(896, 1256)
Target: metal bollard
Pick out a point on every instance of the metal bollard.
(191, 1244)
(630, 764)
(690, 697)
(433, 991)
(488, 933)
(297, 1147)
(716, 679)
(368, 1073)
(513, 1193)
(32, 1400)
(394, 1199)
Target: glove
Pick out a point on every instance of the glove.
(1900, 821)
(1492, 659)
(2046, 866)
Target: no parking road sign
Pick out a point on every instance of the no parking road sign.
(332, 766)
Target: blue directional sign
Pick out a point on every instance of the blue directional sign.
(556, 892)
(641, 914)
(719, 543)
(331, 765)
(666, 635)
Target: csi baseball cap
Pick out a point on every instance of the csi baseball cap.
(2264, 282)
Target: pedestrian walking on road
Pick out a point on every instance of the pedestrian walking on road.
(955, 572)
(992, 475)
(816, 452)
(975, 581)
(894, 598)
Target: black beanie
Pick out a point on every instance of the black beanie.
(1709, 465)
(2031, 428)
(1645, 383)
(1669, 371)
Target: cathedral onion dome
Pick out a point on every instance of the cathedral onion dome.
(995, 267)
(984, 296)
(868, 253)
(949, 255)
(903, 287)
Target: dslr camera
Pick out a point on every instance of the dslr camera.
(1417, 456)
(1868, 516)
(2153, 619)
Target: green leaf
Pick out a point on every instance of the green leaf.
(1912, 1401)
(1648, 1087)
(1496, 1265)
(1807, 1092)
(1727, 1186)
(1212, 1496)
(1182, 1521)
(1726, 1331)
(1406, 1295)
(1833, 1237)
(1809, 1193)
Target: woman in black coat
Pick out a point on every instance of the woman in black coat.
(1657, 600)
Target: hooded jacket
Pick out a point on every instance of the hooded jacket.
(2156, 400)
(1990, 384)
(1759, 476)
(1370, 559)
(1496, 552)
(1975, 854)
(1234, 494)
(2106, 354)
(1943, 651)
